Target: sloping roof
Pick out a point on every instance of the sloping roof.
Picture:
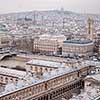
(44, 63)
(12, 72)
(94, 78)
(78, 41)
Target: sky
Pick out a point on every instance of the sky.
(81, 6)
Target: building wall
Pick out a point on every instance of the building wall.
(77, 49)
(45, 46)
(51, 88)
(25, 44)
(4, 79)
(40, 69)
(97, 69)
(5, 41)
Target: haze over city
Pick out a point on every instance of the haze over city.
(49, 49)
(81, 6)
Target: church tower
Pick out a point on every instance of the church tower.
(90, 29)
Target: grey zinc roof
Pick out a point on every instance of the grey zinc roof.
(78, 41)
(44, 63)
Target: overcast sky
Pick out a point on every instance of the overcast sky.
(83, 6)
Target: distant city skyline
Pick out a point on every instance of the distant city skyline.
(80, 6)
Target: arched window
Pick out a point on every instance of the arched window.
(6, 79)
(46, 69)
(36, 69)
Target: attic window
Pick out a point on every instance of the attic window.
(89, 84)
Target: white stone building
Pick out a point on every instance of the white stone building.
(77, 47)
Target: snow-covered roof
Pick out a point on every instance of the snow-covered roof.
(95, 77)
(90, 95)
(57, 37)
(11, 72)
(97, 64)
(78, 41)
(32, 80)
(10, 87)
(29, 80)
(44, 63)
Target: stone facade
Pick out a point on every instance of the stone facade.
(77, 48)
(5, 41)
(50, 89)
(45, 46)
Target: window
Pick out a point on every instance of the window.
(1, 78)
(6, 79)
